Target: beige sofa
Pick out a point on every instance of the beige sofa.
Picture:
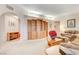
(71, 48)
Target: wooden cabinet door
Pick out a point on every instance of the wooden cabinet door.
(29, 26)
(29, 35)
(37, 29)
(34, 35)
(39, 26)
(29, 29)
(46, 25)
(43, 25)
(33, 25)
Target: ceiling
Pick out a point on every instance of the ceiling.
(53, 9)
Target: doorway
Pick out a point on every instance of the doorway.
(57, 27)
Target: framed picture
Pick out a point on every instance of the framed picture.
(71, 23)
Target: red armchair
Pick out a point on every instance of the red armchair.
(53, 34)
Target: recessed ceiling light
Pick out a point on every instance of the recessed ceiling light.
(34, 12)
(33, 15)
(50, 17)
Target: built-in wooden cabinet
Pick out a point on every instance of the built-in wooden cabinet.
(13, 35)
(37, 29)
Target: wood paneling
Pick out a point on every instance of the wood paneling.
(34, 35)
(33, 22)
(37, 29)
(29, 26)
(39, 25)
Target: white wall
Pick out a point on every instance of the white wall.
(23, 22)
(3, 9)
(54, 26)
(23, 29)
(63, 21)
(50, 25)
(4, 21)
(11, 23)
(2, 29)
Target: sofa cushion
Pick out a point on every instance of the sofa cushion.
(70, 45)
(76, 41)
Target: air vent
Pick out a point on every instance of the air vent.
(9, 7)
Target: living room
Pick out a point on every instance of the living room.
(25, 29)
